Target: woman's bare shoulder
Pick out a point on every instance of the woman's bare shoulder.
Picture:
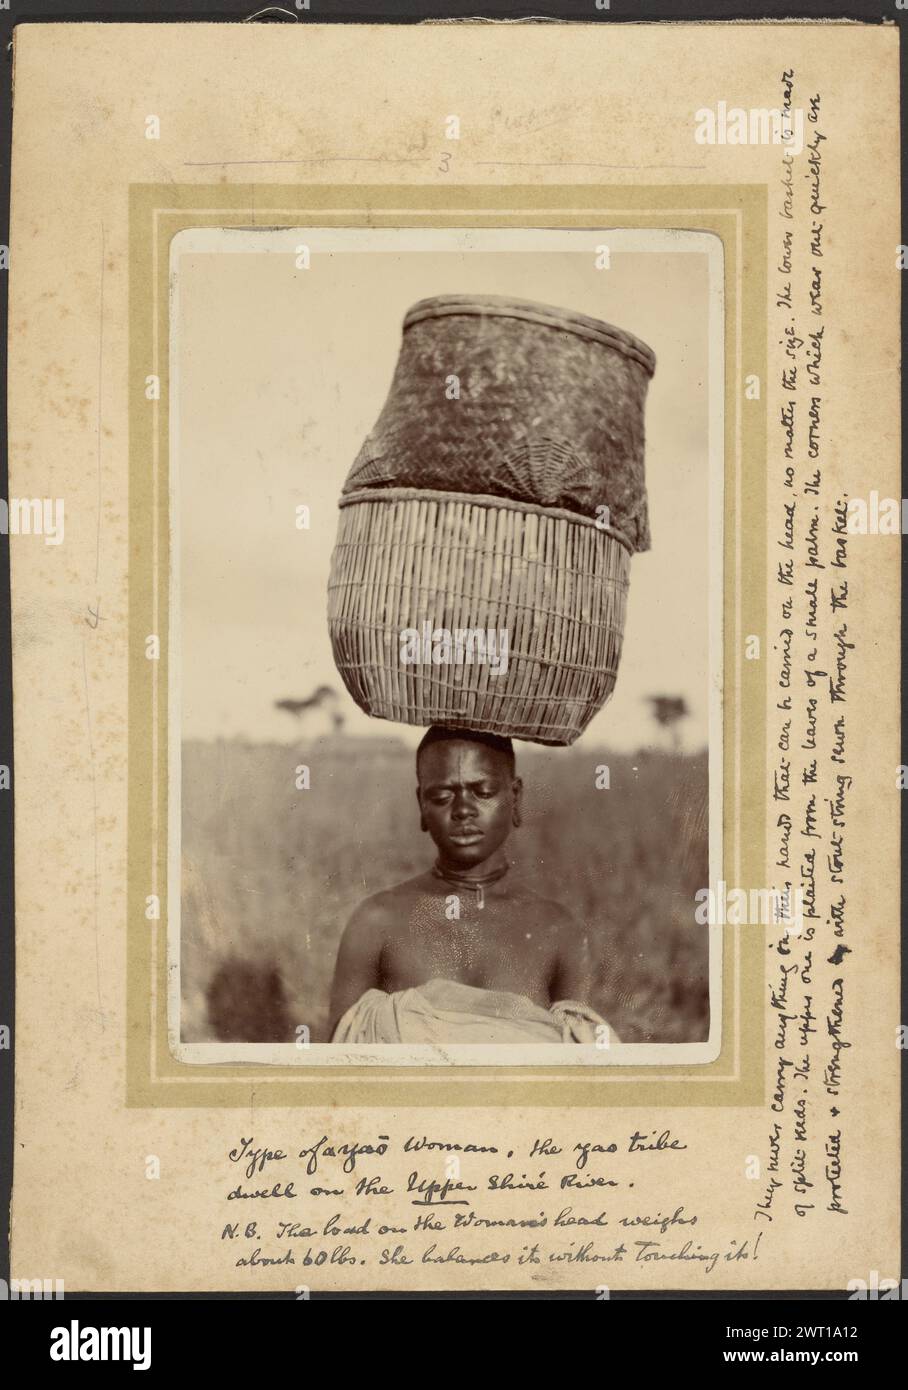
(385, 907)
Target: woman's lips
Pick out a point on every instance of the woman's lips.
(465, 837)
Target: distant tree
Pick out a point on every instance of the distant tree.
(324, 697)
(668, 711)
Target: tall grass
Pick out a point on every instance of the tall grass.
(271, 875)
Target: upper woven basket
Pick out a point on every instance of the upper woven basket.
(510, 398)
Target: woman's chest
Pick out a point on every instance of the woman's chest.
(475, 949)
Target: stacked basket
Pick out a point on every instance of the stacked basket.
(501, 489)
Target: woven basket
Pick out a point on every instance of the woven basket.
(556, 583)
(547, 407)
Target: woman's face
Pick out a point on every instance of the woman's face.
(468, 799)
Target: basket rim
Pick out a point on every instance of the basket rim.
(532, 311)
(479, 499)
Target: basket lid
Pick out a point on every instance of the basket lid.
(546, 315)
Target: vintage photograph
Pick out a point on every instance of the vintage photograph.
(456, 662)
(445, 646)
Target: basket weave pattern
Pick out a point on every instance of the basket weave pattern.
(550, 410)
(555, 582)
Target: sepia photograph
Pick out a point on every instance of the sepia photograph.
(455, 576)
(445, 645)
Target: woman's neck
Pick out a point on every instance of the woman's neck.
(477, 876)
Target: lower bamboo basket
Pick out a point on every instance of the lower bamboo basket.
(410, 566)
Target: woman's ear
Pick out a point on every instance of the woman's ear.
(422, 819)
(517, 805)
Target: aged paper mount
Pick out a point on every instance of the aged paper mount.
(774, 1164)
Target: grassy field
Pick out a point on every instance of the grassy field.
(271, 875)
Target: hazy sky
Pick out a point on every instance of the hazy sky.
(279, 374)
